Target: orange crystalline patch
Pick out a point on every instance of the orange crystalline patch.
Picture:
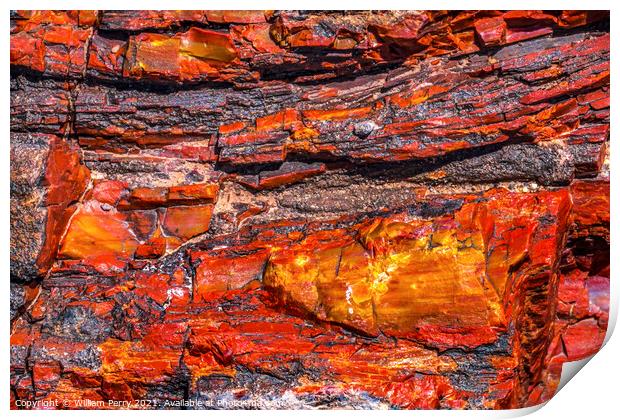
(415, 279)
(185, 56)
(335, 115)
(207, 45)
(95, 232)
(221, 273)
(187, 222)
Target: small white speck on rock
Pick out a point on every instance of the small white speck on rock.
(364, 129)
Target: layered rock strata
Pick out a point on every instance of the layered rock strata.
(391, 209)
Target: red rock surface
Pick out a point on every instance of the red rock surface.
(284, 209)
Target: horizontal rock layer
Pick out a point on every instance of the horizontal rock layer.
(391, 209)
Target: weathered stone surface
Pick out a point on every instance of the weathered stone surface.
(47, 179)
(302, 209)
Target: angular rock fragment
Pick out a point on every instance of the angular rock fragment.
(47, 180)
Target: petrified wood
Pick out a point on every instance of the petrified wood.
(392, 209)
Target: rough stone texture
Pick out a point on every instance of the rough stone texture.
(284, 209)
